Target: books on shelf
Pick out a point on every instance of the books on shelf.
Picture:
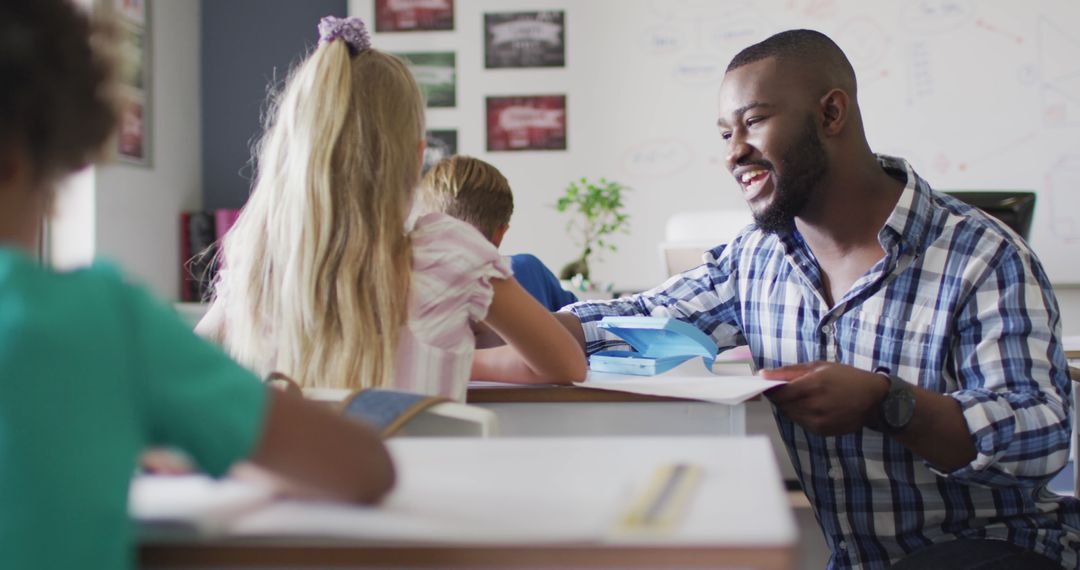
(200, 235)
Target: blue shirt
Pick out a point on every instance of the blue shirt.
(540, 282)
(958, 305)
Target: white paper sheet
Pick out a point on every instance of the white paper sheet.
(689, 380)
(193, 502)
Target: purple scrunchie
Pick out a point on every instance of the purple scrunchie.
(352, 30)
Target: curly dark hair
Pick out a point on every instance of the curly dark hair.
(56, 99)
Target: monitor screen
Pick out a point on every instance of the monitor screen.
(1012, 207)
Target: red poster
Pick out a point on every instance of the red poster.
(526, 123)
(413, 15)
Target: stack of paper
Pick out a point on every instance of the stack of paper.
(690, 380)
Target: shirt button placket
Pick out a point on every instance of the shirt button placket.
(835, 474)
(828, 337)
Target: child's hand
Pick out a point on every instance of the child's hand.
(162, 461)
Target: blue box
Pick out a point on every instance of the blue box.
(660, 344)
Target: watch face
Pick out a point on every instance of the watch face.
(899, 406)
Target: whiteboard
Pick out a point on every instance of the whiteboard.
(976, 94)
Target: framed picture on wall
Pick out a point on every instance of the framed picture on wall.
(414, 15)
(524, 39)
(536, 122)
(441, 143)
(133, 23)
(436, 72)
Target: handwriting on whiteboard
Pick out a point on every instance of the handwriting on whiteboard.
(660, 157)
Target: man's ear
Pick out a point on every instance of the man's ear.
(835, 110)
(500, 233)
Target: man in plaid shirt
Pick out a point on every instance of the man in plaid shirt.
(927, 400)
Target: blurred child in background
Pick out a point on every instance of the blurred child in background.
(92, 369)
(474, 191)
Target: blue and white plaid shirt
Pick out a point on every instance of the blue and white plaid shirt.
(959, 305)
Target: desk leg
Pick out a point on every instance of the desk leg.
(737, 420)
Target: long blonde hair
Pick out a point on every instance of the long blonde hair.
(318, 264)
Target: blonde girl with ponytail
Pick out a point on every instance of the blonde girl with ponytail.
(324, 282)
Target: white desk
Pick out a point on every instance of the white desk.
(535, 502)
(541, 411)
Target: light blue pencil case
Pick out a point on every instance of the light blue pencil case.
(660, 344)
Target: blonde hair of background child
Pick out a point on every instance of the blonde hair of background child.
(318, 263)
(470, 190)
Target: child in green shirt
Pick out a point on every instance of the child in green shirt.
(92, 369)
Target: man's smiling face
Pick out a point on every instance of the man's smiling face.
(774, 149)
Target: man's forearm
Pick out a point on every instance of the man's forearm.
(938, 432)
(572, 324)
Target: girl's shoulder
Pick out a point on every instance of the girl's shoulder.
(453, 265)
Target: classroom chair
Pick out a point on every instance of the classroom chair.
(687, 235)
(1015, 208)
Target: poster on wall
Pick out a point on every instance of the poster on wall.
(524, 39)
(414, 15)
(535, 122)
(441, 143)
(436, 73)
(133, 28)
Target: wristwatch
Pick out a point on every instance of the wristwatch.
(898, 407)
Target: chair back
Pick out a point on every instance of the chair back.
(688, 235)
(1014, 208)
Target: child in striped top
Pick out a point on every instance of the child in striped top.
(324, 281)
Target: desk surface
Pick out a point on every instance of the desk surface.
(522, 502)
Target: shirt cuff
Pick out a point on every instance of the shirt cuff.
(992, 426)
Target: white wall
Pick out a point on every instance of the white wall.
(1069, 300)
(976, 94)
(968, 91)
(71, 228)
(137, 208)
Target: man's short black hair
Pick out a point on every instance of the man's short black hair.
(807, 46)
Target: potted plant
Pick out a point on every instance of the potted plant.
(597, 211)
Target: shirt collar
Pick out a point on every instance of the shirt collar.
(907, 229)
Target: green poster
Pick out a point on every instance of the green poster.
(436, 72)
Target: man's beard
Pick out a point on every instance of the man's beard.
(804, 166)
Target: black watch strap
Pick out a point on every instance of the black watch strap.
(898, 406)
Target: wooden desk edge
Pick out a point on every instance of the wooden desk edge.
(300, 554)
(556, 393)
